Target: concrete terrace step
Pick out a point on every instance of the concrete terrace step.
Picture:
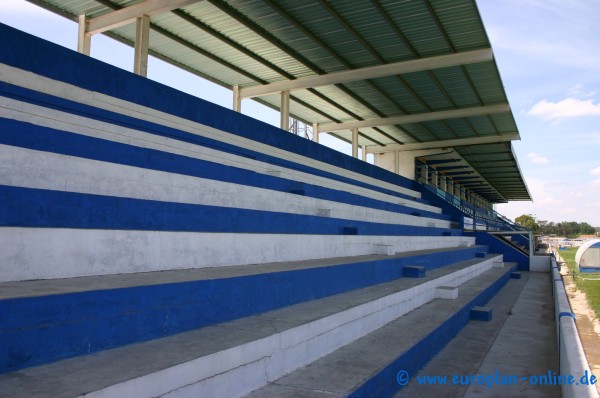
(27, 168)
(137, 101)
(369, 366)
(505, 345)
(66, 131)
(233, 358)
(50, 253)
(35, 288)
(49, 326)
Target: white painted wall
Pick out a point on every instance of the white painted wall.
(540, 264)
(406, 166)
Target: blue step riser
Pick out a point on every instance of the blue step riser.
(58, 63)
(384, 384)
(45, 329)
(26, 207)
(30, 136)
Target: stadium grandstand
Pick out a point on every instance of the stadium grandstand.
(154, 244)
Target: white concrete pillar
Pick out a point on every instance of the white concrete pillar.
(237, 99)
(84, 39)
(285, 110)
(315, 132)
(364, 153)
(397, 162)
(434, 177)
(355, 143)
(142, 42)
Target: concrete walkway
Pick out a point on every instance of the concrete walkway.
(519, 342)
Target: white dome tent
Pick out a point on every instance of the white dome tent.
(588, 256)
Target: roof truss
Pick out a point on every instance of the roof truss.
(372, 72)
(129, 14)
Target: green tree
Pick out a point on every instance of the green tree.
(528, 221)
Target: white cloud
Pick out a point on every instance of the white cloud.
(553, 203)
(569, 107)
(578, 91)
(537, 158)
(595, 183)
(595, 172)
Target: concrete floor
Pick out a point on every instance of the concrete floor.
(520, 341)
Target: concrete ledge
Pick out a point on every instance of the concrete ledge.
(446, 292)
(515, 275)
(481, 314)
(572, 359)
(413, 271)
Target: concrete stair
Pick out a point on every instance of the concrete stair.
(377, 364)
(229, 358)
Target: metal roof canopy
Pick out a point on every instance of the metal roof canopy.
(393, 75)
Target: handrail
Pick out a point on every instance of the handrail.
(477, 218)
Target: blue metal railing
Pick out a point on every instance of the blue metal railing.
(475, 217)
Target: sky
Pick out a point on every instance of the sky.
(548, 54)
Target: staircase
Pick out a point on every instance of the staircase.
(155, 244)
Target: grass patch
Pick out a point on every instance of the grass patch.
(591, 288)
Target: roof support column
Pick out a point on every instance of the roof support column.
(355, 143)
(315, 132)
(237, 99)
(285, 110)
(397, 162)
(142, 41)
(84, 39)
(364, 153)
